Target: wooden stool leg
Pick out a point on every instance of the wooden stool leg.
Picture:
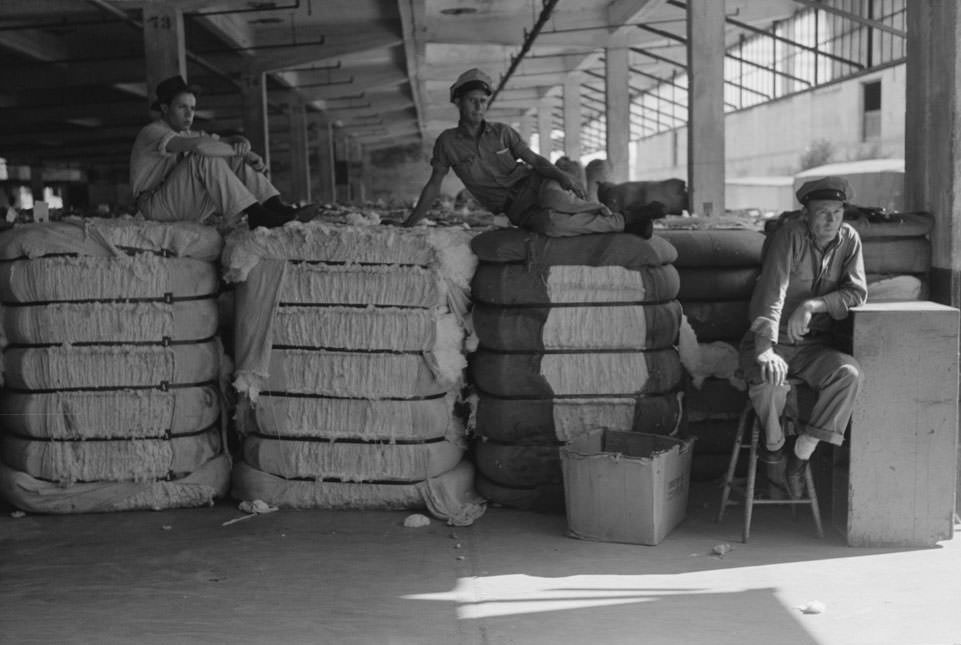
(751, 477)
(813, 497)
(732, 465)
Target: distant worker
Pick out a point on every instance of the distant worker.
(812, 275)
(533, 193)
(181, 174)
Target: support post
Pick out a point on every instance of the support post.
(299, 161)
(618, 112)
(355, 160)
(164, 44)
(932, 160)
(545, 123)
(705, 138)
(254, 101)
(572, 116)
(325, 163)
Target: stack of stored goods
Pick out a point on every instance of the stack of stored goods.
(718, 269)
(576, 334)
(112, 366)
(349, 356)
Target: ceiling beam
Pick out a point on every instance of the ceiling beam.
(412, 18)
(335, 46)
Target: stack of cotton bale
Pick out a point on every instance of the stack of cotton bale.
(349, 349)
(576, 334)
(111, 366)
(718, 269)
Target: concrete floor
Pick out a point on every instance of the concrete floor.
(349, 577)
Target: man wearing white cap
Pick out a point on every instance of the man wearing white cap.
(813, 274)
(506, 176)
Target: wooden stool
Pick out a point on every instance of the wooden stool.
(746, 488)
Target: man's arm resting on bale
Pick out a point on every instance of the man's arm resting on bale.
(427, 196)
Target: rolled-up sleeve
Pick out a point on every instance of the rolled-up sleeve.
(439, 159)
(767, 303)
(852, 288)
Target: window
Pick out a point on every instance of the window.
(871, 114)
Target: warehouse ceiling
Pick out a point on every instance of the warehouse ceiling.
(73, 80)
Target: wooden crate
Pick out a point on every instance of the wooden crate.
(895, 486)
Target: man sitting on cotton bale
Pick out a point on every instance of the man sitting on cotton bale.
(532, 192)
(181, 174)
(813, 273)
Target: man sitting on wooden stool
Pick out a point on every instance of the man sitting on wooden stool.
(812, 275)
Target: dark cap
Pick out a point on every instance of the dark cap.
(169, 88)
(828, 188)
(472, 79)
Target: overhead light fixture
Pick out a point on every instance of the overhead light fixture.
(458, 11)
(264, 21)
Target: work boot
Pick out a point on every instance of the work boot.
(303, 213)
(258, 216)
(794, 475)
(639, 220)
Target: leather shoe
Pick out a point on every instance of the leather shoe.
(794, 476)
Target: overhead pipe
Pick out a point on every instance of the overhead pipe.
(258, 7)
(324, 84)
(234, 50)
(314, 68)
(529, 39)
(63, 24)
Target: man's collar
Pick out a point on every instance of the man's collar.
(464, 132)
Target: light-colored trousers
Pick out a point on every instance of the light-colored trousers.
(200, 186)
(556, 212)
(555, 224)
(835, 376)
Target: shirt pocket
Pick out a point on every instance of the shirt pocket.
(505, 160)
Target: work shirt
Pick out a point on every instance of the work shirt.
(488, 165)
(150, 162)
(795, 270)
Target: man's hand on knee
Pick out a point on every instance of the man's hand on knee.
(773, 367)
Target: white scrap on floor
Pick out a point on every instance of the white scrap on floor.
(254, 508)
(721, 549)
(813, 607)
(416, 521)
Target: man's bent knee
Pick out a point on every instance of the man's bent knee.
(849, 373)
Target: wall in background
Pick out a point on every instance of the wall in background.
(770, 139)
